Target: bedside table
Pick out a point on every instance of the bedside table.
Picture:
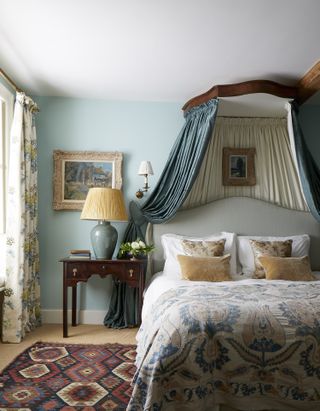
(80, 270)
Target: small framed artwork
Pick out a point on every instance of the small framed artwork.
(77, 171)
(238, 167)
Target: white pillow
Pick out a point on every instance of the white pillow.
(172, 246)
(300, 248)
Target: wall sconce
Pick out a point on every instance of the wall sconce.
(145, 169)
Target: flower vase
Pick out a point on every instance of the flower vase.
(138, 257)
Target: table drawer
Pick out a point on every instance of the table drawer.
(129, 273)
(75, 270)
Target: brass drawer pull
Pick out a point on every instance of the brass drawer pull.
(131, 273)
(74, 272)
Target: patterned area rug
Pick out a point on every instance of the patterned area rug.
(69, 377)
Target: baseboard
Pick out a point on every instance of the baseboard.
(92, 316)
(83, 316)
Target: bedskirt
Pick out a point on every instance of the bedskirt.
(251, 346)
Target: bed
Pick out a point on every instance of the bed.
(244, 344)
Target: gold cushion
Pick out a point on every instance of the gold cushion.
(271, 248)
(204, 248)
(290, 268)
(205, 268)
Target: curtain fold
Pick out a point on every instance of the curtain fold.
(173, 186)
(21, 309)
(308, 169)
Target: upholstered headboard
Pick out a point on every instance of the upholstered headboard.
(243, 216)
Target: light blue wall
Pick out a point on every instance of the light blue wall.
(141, 131)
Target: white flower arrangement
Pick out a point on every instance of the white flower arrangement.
(135, 248)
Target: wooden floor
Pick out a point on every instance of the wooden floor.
(87, 334)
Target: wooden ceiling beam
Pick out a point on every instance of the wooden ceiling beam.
(309, 84)
(239, 89)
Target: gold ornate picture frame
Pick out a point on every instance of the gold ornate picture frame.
(238, 167)
(74, 172)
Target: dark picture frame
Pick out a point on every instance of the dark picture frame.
(75, 172)
(238, 167)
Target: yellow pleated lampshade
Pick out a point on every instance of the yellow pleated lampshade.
(105, 204)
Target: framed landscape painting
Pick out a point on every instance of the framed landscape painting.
(238, 167)
(77, 171)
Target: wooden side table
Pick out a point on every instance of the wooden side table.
(79, 270)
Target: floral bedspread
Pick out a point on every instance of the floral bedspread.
(250, 346)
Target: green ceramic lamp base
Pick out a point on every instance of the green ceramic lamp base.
(104, 239)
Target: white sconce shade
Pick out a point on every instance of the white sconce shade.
(145, 168)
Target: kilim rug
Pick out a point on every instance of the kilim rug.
(69, 377)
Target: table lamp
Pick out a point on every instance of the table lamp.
(105, 205)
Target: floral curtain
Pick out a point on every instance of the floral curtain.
(21, 310)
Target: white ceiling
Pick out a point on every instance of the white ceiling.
(154, 50)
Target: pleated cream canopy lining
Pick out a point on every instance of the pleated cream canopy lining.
(277, 180)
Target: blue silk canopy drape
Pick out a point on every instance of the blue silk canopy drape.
(174, 185)
(308, 170)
